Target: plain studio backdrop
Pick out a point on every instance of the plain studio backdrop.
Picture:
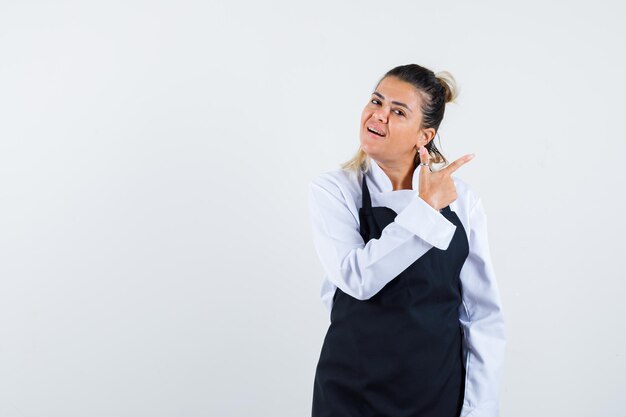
(156, 256)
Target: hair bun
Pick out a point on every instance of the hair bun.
(450, 88)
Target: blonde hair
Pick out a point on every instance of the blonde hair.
(436, 90)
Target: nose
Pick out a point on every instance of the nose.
(381, 114)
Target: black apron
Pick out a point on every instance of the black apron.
(399, 353)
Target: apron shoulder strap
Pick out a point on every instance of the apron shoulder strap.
(366, 199)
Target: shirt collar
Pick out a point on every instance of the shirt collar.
(382, 181)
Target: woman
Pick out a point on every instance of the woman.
(416, 322)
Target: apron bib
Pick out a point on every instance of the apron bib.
(398, 354)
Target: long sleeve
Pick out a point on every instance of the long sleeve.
(362, 270)
(483, 323)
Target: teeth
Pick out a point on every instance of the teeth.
(375, 131)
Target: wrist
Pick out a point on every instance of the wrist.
(426, 198)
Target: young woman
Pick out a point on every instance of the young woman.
(416, 323)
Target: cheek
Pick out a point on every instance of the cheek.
(407, 133)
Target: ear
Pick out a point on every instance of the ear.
(425, 136)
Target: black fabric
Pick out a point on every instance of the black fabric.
(399, 353)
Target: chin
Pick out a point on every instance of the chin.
(369, 151)
(370, 146)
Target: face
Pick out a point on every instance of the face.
(394, 110)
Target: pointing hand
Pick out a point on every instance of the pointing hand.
(437, 188)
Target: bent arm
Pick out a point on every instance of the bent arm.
(361, 270)
(483, 323)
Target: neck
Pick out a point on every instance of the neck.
(400, 173)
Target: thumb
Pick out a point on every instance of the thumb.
(424, 157)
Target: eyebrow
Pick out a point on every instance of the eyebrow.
(394, 102)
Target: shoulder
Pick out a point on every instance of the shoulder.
(336, 192)
(339, 182)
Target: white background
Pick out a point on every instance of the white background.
(156, 257)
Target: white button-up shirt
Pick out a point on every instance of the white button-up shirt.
(361, 270)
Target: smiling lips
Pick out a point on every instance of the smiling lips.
(377, 132)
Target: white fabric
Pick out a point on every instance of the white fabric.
(361, 270)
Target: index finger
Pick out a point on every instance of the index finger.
(458, 163)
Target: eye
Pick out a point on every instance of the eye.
(375, 101)
(399, 112)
